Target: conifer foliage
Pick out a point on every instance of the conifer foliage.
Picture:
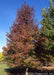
(48, 26)
(48, 30)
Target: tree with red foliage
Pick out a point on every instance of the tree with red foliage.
(21, 37)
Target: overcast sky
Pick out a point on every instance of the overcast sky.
(8, 11)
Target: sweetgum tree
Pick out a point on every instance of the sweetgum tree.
(20, 40)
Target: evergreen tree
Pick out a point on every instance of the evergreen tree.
(48, 27)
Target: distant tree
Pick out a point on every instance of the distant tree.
(1, 56)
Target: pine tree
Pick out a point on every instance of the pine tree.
(48, 30)
(48, 25)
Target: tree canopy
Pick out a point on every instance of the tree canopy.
(27, 45)
(21, 37)
(48, 26)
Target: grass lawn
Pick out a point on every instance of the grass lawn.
(2, 69)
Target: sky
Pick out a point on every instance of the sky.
(8, 12)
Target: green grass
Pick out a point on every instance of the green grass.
(2, 69)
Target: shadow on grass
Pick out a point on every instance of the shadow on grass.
(15, 71)
(18, 71)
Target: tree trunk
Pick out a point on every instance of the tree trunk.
(26, 71)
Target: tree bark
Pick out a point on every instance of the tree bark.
(26, 71)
